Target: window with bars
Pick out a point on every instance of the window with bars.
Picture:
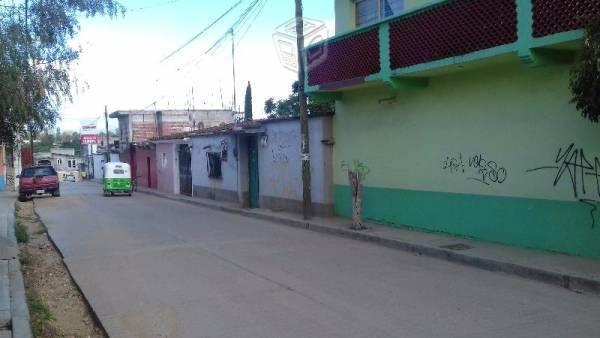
(214, 165)
(369, 11)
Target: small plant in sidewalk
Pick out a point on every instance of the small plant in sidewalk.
(357, 172)
(21, 233)
(41, 316)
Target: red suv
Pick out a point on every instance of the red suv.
(38, 181)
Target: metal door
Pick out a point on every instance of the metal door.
(149, 170)
(253, 172)
(185, 170)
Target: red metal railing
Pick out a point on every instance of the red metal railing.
(349, 58)
(557, 16)
(452, 29)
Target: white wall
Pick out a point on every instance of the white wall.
(280, 162)
(229, 168)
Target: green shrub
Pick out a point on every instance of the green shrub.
(21, 233)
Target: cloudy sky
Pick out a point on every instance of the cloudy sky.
(121, 64)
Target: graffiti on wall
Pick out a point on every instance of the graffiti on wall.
(476, 168)
(582, 173)
(282, 142)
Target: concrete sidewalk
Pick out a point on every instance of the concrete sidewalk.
(574, 273)
(14, 314)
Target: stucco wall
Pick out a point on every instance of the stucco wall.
(485, 154)
(142, 155)
(280, 165)
(98, 163)
(166, 166)
(226, 188)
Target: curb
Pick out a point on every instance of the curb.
(83, 296)
(21, 322)
(574, 283)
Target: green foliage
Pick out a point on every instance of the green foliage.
(357, 167)
(41, 316)
(248, 103)
(35, 60)
(24, 259)
(21, 233)
(290, 107)
(63, 140)
(585, 75)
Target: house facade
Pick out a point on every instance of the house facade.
(144, 165)
(461, 111)
(254, 164)
(136, 127)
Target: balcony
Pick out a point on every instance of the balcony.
(404, 51)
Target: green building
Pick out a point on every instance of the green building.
(461, 110)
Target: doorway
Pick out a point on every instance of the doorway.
(253, 178)
(185, 170)
(149, 167)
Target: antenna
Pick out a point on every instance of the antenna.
(222, 103)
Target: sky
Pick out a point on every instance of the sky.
(120, 64)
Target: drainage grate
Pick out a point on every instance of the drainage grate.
(457, 247)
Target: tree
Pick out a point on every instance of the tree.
(35, 60)
(585, 75)
(248, 103)
(289, 107)
(357, 172)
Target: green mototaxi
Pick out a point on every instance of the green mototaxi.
(117, 179)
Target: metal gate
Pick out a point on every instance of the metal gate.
(185, 170)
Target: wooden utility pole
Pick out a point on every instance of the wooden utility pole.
(107, 134)
(233, 64)
(306, 193)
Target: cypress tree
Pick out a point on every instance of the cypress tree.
(248, 103)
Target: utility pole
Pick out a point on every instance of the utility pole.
(107, 134)
(233, 63)
(306, 193)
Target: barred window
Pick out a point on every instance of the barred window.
(214, 165)
(368, 11)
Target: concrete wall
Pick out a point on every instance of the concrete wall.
(496, 154)
(280, 166)
(98, 163)
(142, 171)
(226, 188)
(166, 167)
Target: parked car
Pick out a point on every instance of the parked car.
(37, 181)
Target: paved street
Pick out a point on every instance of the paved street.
(151, 267)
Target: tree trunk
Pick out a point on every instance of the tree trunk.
(357, 187)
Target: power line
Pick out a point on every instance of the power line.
(201, 32)
(243, 24)
(137, 9)
(235, 25)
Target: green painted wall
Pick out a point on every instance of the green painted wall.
(456, 157)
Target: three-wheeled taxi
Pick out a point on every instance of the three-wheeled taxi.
(117, 179)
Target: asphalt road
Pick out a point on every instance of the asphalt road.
(151, 267)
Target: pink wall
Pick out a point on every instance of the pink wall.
(165, 167)
(141, 159)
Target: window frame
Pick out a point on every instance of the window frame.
(380, 12)
(212, 159)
